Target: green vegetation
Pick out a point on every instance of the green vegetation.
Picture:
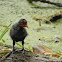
(13, 10)
(60, 57)
(4, 32)
(19, 45)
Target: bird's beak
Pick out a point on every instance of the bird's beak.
(26, 25)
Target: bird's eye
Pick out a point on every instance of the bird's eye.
(24, 23)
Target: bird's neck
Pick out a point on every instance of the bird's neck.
(20, 26)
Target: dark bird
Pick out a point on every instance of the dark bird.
(18, 32)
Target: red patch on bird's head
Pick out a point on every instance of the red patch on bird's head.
(24, 23)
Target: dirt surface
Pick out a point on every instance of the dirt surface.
(7, 56)
(29, 57)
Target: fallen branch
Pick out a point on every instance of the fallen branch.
(57, 4)
(44, 1)
(49, 18)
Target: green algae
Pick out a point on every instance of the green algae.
(12, 10)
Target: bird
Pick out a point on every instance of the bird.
(18, 32)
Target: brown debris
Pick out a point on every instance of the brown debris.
(3, 25)
(45, 51)
(41, 49)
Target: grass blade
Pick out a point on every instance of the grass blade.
(30, 48)
(4, 32)
(3, 40)
(19, 45)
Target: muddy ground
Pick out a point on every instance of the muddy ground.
(6, 55)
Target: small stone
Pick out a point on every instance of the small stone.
(56, 39)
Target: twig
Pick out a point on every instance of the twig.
(3, 25)
(4, 57)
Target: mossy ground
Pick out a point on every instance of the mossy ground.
(13, 10)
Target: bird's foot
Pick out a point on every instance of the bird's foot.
(13, 51)
(22, 51)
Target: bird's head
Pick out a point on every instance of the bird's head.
(23, 23)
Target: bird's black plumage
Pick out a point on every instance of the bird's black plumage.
(18, 32)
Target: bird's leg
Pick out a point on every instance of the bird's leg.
(13, 50)
(13, 46)
(22, 46)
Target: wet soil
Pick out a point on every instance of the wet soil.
(6, 55)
